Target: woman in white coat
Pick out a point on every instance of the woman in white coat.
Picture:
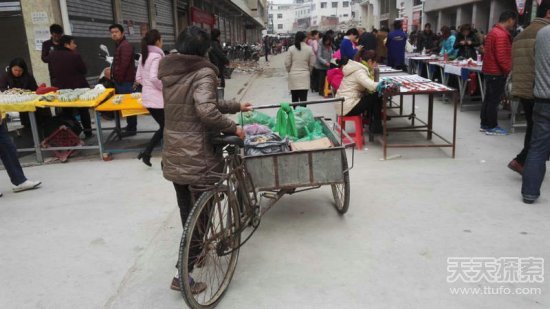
(358, 88)
(299, 62)
(151, 93)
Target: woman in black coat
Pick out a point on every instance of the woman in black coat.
(18, 76)
(466, 42)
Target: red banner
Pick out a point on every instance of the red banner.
(405, 23)
(202, 17)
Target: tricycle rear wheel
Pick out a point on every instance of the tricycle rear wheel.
(341, 191)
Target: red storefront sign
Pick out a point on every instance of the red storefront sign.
(202, 17)
(417, 16)
(521, 6)
(405, 23)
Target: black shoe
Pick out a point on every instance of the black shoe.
(127, 133)
(88, 136)
(146, 158)
(528, 201)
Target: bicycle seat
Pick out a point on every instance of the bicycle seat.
(223, 140)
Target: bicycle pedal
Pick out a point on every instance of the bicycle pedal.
(269, 195)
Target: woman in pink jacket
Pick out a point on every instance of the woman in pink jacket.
(151, 93)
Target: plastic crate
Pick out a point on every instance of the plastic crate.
(62, 137)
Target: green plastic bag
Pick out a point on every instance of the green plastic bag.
(255, 117)
(304, 120)
(286, 125)
(314, 134)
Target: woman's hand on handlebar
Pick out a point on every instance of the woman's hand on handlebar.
(240, 133)
(246, 107)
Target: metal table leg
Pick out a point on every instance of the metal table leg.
(430, 115)
(454, 122)
(99, 132)
(35, 138)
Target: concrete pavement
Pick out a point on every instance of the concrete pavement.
(106, 234)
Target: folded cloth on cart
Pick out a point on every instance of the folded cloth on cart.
(263, 144)
(256, 129)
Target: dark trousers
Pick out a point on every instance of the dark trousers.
(299, 95)
(158, 115)
(493, 95)
(314, 80)
(185, 204)
(266, 54)
(322, 78)
(528, 105)
(535, 165)
(8, 155)
(84, 114)
(371, 104)
(125, 88)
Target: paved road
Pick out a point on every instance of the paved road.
(105, 234)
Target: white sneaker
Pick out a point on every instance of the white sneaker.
(27, 185)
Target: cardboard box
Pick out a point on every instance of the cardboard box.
(321, 143)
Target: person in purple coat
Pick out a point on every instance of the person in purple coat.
(397, 39)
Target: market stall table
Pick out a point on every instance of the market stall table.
(90, 104)
(462, 71)
(418, 88)
(30, 108)
(416, 63)
(126, 105)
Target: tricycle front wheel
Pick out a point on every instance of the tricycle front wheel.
(341, 191)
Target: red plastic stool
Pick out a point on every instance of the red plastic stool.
(358, 123)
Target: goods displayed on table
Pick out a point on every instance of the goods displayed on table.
(422, 87)
(80, 94)
(387, 69)
(408, 79)
(118, 99)
(17, 96)
(387, 87)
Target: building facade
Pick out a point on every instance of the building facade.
(482, 14)
(281, 18)
(240, 21)
(315, 15)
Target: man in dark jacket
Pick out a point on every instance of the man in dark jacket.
(523, 78)
(497, 64)
(217, 56)
(70, 71)
(427, 39)
(56, 32)
(367, 39)
(124, 71)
